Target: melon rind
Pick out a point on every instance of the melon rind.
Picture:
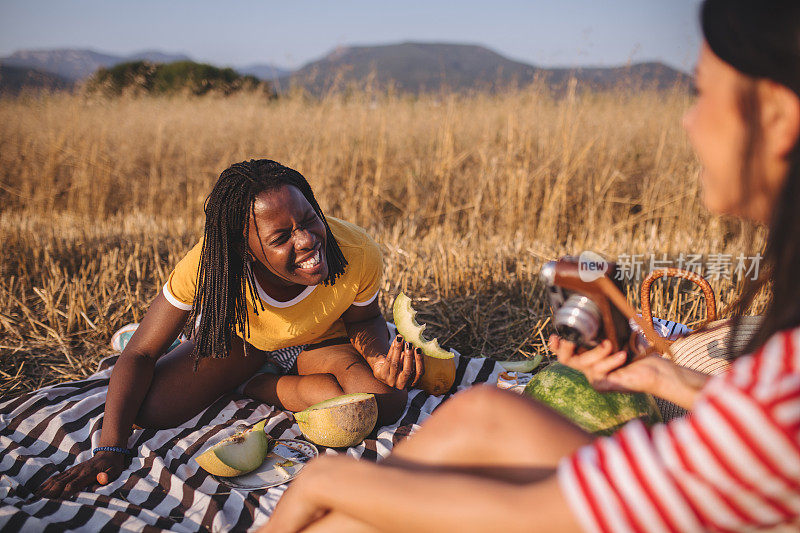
(440, 366)
(339, 422)
(230, 458)
(528, 365)
(567, 391)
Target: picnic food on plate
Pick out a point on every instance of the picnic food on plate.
(440, 366)
(567, 391)
(339, 422)
(240, 453)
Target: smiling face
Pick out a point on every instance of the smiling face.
(741, 174)
(287, 238)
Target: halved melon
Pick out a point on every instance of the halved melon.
(440, 364)
(339, 422)
(238, 454)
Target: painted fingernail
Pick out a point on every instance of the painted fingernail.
(408, 346)
(399, 338)
(418, 351)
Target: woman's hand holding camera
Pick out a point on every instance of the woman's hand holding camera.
(606, 371)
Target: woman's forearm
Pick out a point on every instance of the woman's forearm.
(370, 337)
(127, 388)
(678, 384)
(134, 370)
(392, 499)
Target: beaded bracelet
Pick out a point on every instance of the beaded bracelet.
(123, 451)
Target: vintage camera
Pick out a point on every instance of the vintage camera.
(588, 302)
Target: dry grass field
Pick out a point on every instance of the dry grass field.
(468, 195)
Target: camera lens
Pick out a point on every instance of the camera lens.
(570, 334)
(578, 320)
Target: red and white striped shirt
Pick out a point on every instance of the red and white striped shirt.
(732, 464)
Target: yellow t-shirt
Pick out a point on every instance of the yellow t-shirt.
(312, 316)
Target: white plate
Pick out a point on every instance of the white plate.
(267, 475)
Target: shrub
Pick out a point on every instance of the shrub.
(180, 77)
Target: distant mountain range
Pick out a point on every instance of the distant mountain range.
(15, 79)
(78, 64)
(417, 67)
(410, 67)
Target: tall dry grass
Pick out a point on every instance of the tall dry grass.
(467, 194)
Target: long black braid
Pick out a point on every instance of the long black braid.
(224, 278)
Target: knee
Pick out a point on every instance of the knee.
(327, 385)
(472, 400)
(391, 406)
(481, 405)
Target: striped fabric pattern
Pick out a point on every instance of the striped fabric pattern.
(285, 357)
(733, 464)
(51, 429)
(666, 328)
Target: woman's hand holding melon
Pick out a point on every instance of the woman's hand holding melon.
(402, 367)
(100, 469)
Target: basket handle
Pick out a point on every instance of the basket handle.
(708, 292)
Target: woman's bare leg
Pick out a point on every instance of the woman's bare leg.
(485, 428)
(354, 375)
(293, 393)
(483, 432)
(178, 392)
(339, 523)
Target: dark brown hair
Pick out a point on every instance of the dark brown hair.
(761, 39)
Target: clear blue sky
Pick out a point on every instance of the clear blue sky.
(291, 33)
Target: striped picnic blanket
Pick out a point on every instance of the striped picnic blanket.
(49, 430)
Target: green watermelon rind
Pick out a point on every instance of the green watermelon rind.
(567, 391)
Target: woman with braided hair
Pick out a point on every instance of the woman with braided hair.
(490, 460)
(285, 307)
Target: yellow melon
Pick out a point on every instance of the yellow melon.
(440, 365)
(339, 422)
(238, 454)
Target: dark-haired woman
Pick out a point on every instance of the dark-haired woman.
(272, 282)
(489, 460)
